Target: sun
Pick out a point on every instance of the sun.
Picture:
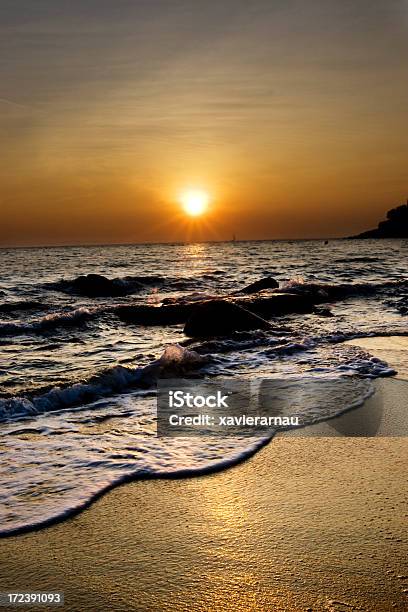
(195, 202)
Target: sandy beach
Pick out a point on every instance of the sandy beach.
(306, 524)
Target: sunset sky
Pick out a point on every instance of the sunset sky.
(290, 115)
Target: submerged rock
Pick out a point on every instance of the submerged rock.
(323, 311)
(260, 285)
(220, 318)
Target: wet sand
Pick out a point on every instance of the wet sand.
(307, 523)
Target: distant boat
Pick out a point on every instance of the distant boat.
(233, 238)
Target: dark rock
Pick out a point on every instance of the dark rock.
(192, 297)
(323, 311)
(171, 314)
(263, 283)
(96, 285)
(152, 280)
(395, 226)
(278, 304)
(180, 311)
(220, 318)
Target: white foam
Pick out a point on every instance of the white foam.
(50, 321)
(57, 463)
(113, 380)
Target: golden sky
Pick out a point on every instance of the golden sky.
(292, 115)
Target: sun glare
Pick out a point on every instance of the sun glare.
(194, 202)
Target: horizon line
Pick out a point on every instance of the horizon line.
(175, 242)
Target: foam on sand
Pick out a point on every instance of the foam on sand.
(392, 349)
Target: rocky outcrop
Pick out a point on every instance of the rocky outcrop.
(217, 315)
(220, 318)
(395, 225)
(260, 285)
(91, 285)
(166, 314)
(96, 285)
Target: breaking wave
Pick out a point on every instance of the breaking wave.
(175, 359)
(22, 305)
(338, 291)
(94, 464)
(178, 360)
(50, 322)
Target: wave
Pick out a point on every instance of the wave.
(238, 341)
(175, 359)
(400, 305)
(278, 344)
(22, 305)
(50, 322)
(97, 488)
(321, 292)
(357, 259)
(92, 465)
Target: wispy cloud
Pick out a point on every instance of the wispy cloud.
(14, 103)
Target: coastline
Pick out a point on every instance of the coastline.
(301, 525)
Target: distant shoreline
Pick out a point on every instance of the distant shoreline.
(395, 226)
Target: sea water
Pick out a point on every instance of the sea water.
(75, 418)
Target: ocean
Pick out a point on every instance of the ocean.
(77, 408)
